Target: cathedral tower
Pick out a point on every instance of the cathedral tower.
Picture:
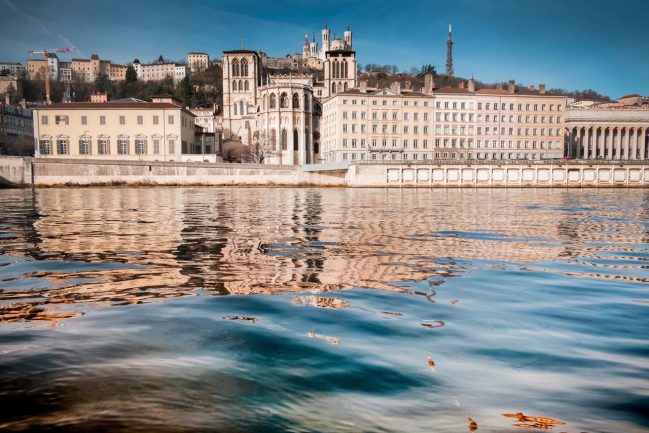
(449, 53)
(348, 37)
(325, 42)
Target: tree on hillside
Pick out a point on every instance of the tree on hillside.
(131, 75)
(12, 93)
(184, 91)
(102, 83)
(167, 85)
(427, 69)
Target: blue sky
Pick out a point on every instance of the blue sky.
(573, 44)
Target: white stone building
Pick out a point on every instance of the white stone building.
(160, 70)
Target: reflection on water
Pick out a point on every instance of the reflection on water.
(530, 301)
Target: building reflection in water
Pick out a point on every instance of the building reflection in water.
(115, 246)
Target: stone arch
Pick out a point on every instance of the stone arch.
(296, 101)
(235, 68)
(345, 87)
(296, 138)
(284, 139)
(273, 100)
(333, 88)
(284, 100)
(235, 86)
(244, 67)
(245, 85)
(273, 138)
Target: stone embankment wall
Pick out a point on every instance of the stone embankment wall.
(51, 172)
(15, 171)
(515, 175)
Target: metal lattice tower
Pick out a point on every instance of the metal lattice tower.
(449, 53)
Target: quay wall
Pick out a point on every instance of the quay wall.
(15, 171)
(18, 171)
(51, 172)
(501, 174)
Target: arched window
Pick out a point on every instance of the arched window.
(84, 145)
(62, 146)
(235, 86)
(140, 146)
(122, 146)
(296, 101)
(284, 140)
(343, 72)
(336, 66)
(244, 68)
(245, 85)
(235, 108)
(333, 88)
(345, 86)
(295, 140)
(46, 146)
(273, 139)
(273, 101)
(284, 100)
(241, 110)
(235, 68)
(240, 86)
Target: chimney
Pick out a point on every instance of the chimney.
(396, 87)
(471, 85)
(428, 83)
(511, 86)
(532, 89)
(363, 86)
(461, 85)
(542, 89)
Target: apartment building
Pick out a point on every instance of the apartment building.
(36, 67)
(123, 129)
(15, 69)
(16, 130)
(198, 61)
(451, 123)
(160, 70)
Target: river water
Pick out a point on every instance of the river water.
(332, 310)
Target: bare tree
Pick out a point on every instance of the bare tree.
(260, 148)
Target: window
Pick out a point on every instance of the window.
(102, 146)
(44, 120)
(84, 146)
(172, 145)
(62, 146)
(102, 120)
(140, 120)
(122, 146)
(84, 120)
(170, 121)
(140, 146)
(61, 120)
(45, 148)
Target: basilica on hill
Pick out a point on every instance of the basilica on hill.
(280, 113)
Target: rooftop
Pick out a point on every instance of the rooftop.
(130, 103)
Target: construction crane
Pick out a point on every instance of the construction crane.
(45, 54)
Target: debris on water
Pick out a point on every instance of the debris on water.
(327, 338)
(473, 426)
(392, 313)
(432, 323)
(320, 302)
(248, 318)
(454, 301)
(536, 422)
(430, 361)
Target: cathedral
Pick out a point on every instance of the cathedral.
(280, 113)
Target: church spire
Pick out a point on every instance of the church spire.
(449, 53)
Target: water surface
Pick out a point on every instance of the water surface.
(235, 310)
